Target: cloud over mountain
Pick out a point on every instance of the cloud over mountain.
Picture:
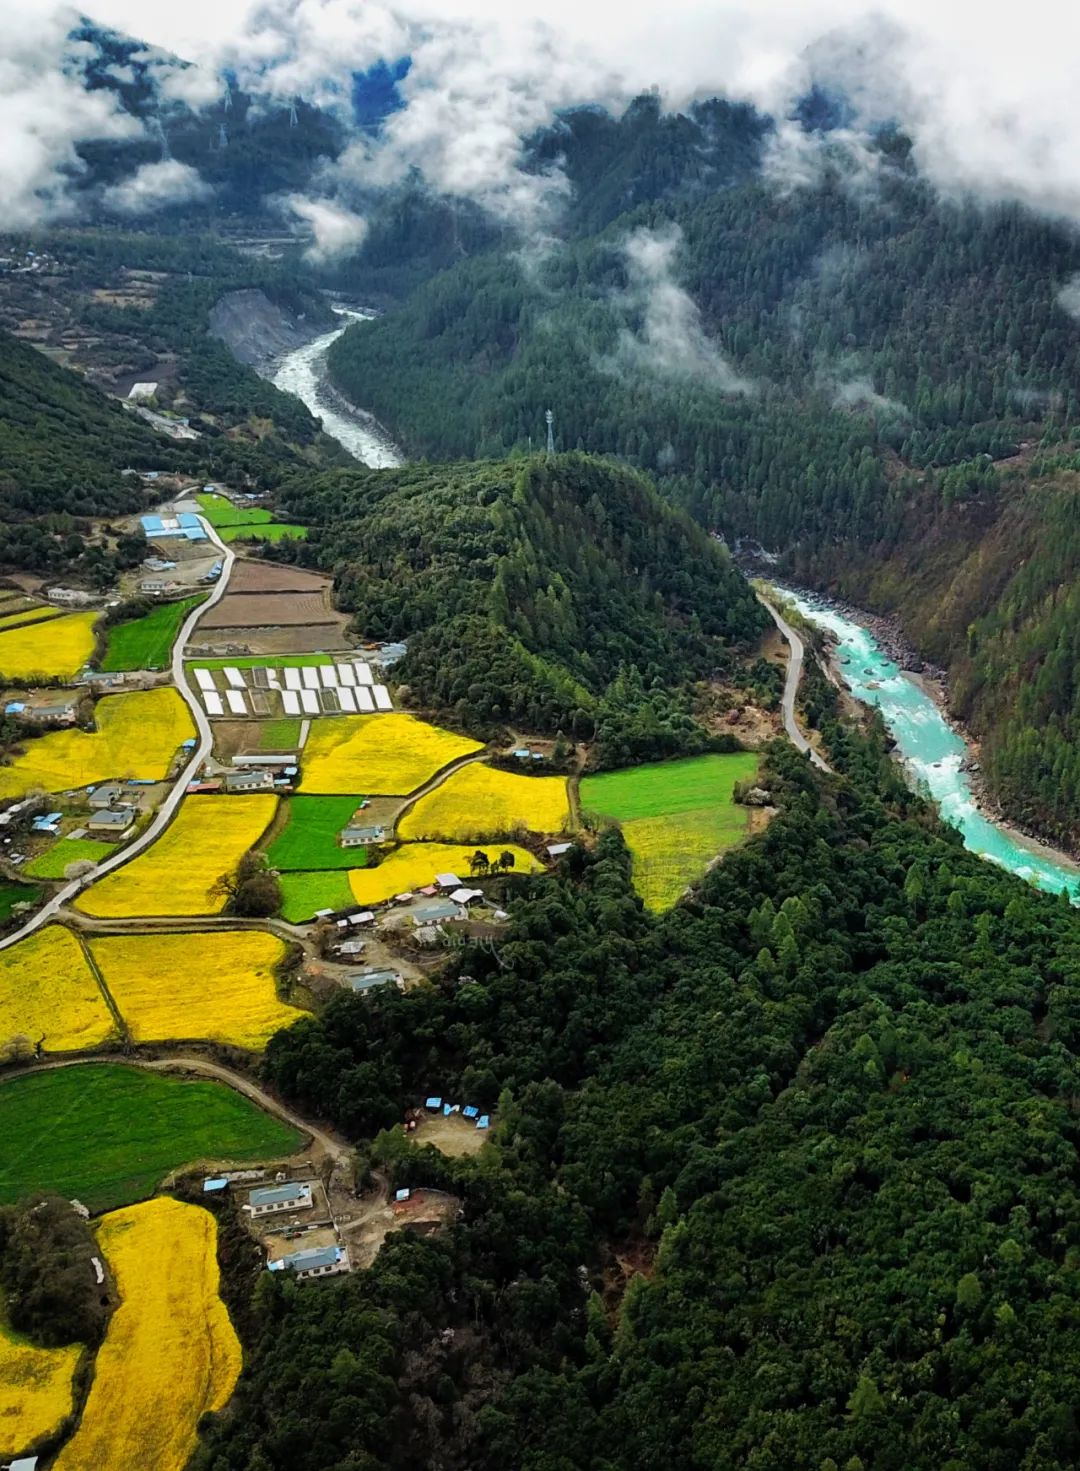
(988, 104)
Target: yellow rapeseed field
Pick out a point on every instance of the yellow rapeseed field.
(370, 755)
(480, 802)
(35, 1390)
(137, 735)
(415, 864)
(176, 874)
(47, 990)
(57, 649)
(28, 615)
(217, 987)
(170, 1353)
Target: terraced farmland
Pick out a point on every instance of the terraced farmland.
(415, 864)
(145, 643)
(304, 894)
(35, 1390)
(377, 754)
(137, 735)
(170, 1354)
(309, 839)
(481, 802)
(219, 986)
(177, 875)
(145, 1125)
(676, 816)
(55, 649)
(48, 994)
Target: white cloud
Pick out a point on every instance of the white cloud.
(337, 231)
(44, 112)
(989, 102)
(670, 342)
(1068, 298)
(154, 186)
(859, 393)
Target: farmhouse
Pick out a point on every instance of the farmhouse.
(276, 1198)
(313, 1261)
(362, 837)
(61, 711)
(367, 980)
(466, 896)
(436, 912)
(106, 794)
(259, 780)
(71, 597)
(113, 822)
(448, 881)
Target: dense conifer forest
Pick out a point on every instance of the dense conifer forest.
(784, 1178)
(561, 594)
(868, 363)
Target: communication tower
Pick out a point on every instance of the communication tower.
(549, 419)
(222, 136)
(228, 98)
(294, 121)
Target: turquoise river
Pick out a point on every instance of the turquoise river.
(931, 749)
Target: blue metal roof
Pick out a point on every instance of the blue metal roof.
(309, 1258)
(152, 523)
(188, 518)
(194, 533)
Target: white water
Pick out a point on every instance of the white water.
(932, 751)
(303, 373)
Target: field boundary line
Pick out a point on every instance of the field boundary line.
(434, 782)
(107, 995)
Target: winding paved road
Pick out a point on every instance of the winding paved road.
(791, 687)
(164, 814)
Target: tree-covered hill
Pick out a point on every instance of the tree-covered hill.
(63, 443)
(831, 371)
(782, 1180)
(537, 590)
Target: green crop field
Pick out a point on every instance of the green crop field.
(12, 894)
(51, 864)
(107, 1134)
(271, 661)
(676, 816)
(243, 523)
(302, 894)
(220, 511)
(270, 531)
(145, 643)
(309, 838)
(279, 735)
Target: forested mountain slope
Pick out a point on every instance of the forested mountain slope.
(986, 585)
(542, 591)
(827, 1108)
(63, 443)
(830, 370)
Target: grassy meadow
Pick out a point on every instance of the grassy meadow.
(309, 839)
(145, 643)
(107, 1134)
(676, 816)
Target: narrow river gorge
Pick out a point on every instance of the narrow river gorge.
(933, 752)
(303, 373)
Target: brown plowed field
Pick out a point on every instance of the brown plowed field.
(248, 577)
(308, 638)
(268, 610)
